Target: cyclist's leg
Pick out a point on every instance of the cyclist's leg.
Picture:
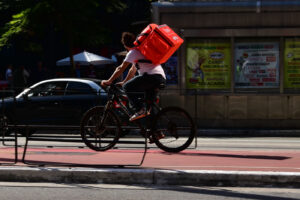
(134, 91)
(151, 95)
(138, 85)
(151, 92)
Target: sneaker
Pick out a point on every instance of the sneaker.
(140, 114)
(158, 135)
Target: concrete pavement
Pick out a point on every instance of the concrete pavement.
(214, 167)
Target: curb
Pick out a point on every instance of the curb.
(150, 176)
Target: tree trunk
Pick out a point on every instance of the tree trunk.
(71, 56)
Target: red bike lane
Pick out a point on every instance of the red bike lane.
(228, 160)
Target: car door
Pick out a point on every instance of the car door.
(79, 97)
(42, 104)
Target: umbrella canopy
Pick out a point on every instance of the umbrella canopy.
(85, 58)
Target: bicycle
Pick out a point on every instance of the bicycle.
(171, 128)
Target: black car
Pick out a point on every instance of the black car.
(53, 102)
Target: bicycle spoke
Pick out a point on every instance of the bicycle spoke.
(177, 129)
(103, 131)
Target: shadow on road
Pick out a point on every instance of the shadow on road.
(232, 156)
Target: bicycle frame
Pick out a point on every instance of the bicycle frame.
(114, 97)
(171, 128)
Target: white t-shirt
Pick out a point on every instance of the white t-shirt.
(134, 55)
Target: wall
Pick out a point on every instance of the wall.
(233, 19)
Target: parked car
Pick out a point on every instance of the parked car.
(60, 101)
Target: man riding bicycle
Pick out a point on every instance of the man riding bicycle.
(149, 77)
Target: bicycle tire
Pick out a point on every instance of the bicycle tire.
(96, 137)
(177, 127)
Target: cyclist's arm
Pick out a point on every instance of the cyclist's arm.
(130, 74)
(118, 71)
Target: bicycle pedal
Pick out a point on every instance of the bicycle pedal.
(160, 135)
(151, 140)
(157, 136)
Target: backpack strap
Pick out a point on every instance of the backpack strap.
(142, 61)
(137, 38)
(137, 42)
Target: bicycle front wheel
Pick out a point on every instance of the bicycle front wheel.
(176, 128)
(100, 131)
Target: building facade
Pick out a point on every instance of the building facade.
(239, 66)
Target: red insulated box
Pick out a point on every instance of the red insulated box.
(158, 43)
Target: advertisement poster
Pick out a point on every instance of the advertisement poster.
(292, 64)
(257, 65)
(208, 65)
(170, 68)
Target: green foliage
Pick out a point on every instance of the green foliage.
(77, 22)
(15, 27)
(47, 26)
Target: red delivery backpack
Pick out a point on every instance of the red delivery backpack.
(158, 43)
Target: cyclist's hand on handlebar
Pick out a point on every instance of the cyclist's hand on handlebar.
(105, 83)
(120, 84)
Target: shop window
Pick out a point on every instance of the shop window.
(292, 64)
(208, 64)
(256, 65)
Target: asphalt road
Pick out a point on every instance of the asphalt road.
(50, 191)
(250, 143)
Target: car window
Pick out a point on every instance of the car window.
(74, 88)
(48, 89)
(97, 82)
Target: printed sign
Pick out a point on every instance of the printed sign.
(257, 65)
(292, 64)
(208, 65)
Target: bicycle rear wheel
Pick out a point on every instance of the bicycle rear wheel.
(177, 128)
(96, 135)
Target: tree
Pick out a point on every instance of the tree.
(75, 22)
(45, 26)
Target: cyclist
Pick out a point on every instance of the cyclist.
(149, 77)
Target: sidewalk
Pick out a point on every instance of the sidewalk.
(190, 167)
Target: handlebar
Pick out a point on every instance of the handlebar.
(114, 89)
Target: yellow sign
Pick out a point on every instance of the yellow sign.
(208, 65)
(292, 64)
